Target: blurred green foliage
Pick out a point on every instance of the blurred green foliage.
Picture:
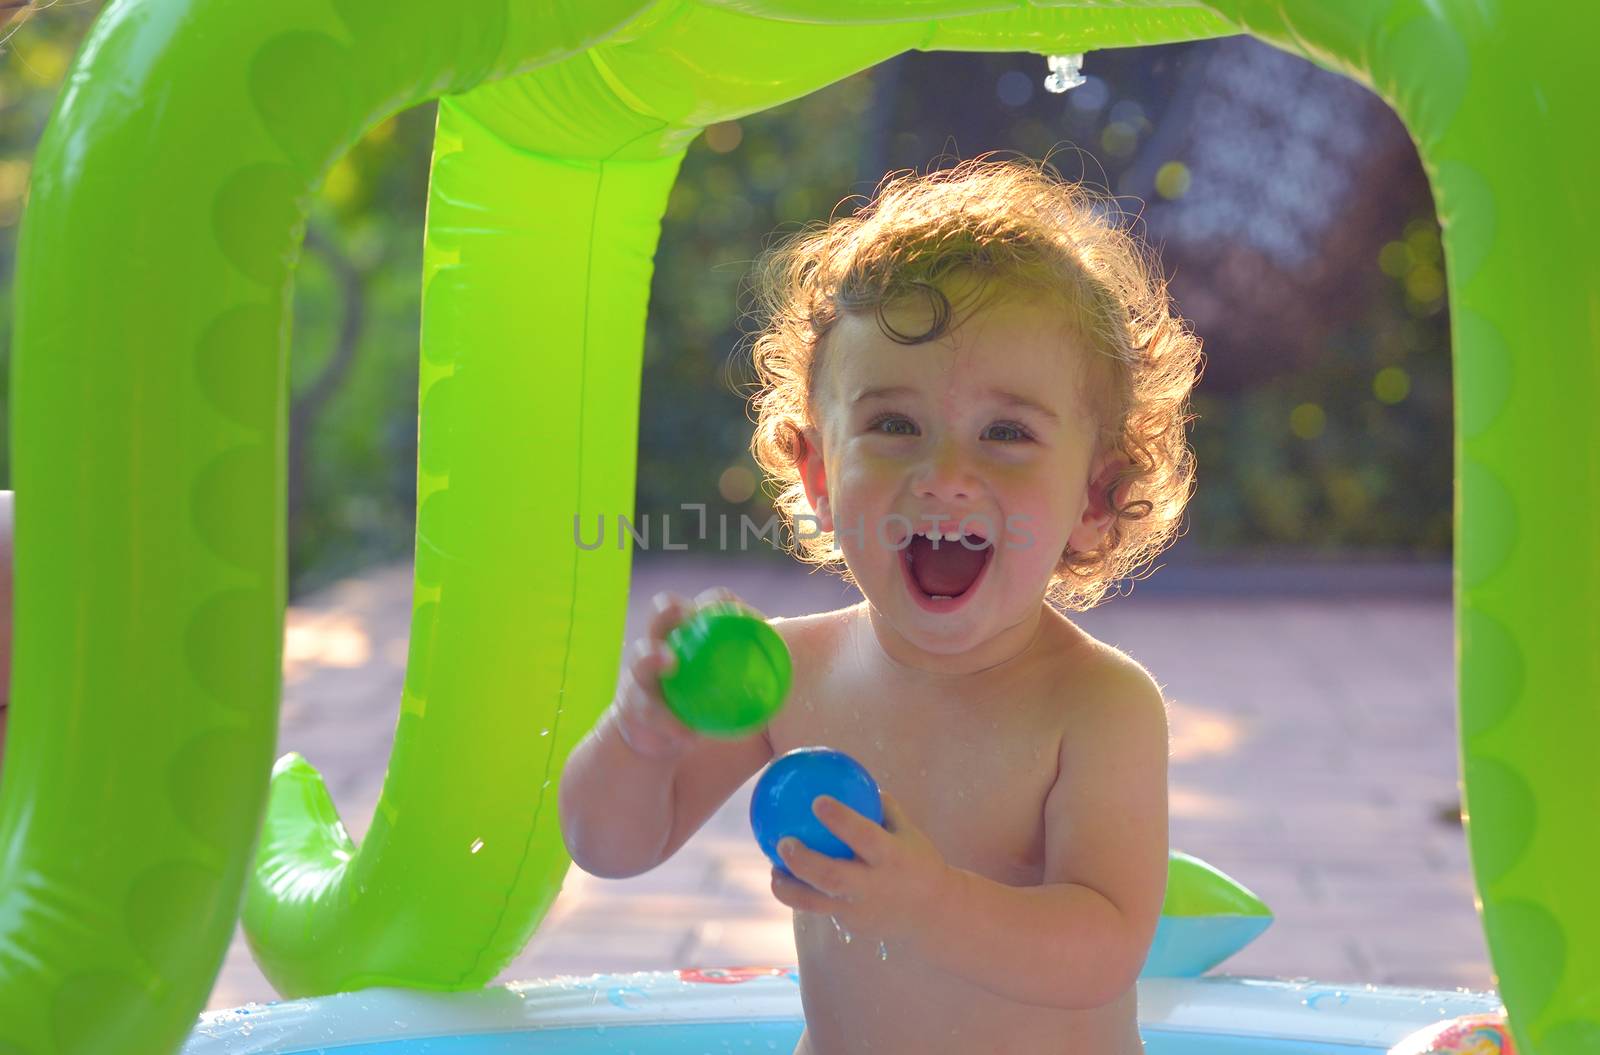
(1353, 452)
(359, 486)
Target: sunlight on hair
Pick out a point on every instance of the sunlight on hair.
(1015, 223)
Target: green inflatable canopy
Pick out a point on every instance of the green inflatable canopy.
(168, 204)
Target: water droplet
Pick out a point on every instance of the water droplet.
(1065, 73)
(883, 951)
(477, 844)
(840, 928)
(544, 732)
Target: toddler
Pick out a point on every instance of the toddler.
(973, 396)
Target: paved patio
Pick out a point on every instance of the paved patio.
(1314, 759)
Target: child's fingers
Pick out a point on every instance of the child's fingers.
(641, 688)
(653, 660)
(893, 816)
(670, 610)
(715, 595)
(649, 725)
(798, 895)
(830, 876)
(723, 595)
(865, 839)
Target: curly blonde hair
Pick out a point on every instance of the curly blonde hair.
(1011, 223)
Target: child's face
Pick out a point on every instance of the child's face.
(985, 424)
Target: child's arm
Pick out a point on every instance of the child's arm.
(1080, 940)
(641, 782)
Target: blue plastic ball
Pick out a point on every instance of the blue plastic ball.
(781, 805)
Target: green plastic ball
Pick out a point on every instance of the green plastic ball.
(733, 671)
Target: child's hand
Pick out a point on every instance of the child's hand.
(646, 723)
(898, 881)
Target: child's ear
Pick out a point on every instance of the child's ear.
(814, 475)
(1090, 530)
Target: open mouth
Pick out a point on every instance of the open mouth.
(941, 574)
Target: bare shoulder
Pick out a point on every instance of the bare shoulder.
(1117, 687)
(815, 645)
(812, 636)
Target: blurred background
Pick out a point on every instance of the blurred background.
(1302, 626)
(1287, 203)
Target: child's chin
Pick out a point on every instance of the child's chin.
(943, 633)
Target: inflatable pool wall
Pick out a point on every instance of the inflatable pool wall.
(757, 1009)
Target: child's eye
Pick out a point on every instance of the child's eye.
(900, 426)
(1010, 431)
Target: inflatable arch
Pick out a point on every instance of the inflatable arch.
(167, 209)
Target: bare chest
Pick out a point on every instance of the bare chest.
(973, 769)
(973, 772)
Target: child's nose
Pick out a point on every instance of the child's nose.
(946, 475)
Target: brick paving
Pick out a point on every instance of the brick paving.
(1314, 759)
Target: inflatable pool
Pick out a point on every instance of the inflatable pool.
(156, 261)
(758, 1010)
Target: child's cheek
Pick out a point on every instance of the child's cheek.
(1033, 531)
(864, 496)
